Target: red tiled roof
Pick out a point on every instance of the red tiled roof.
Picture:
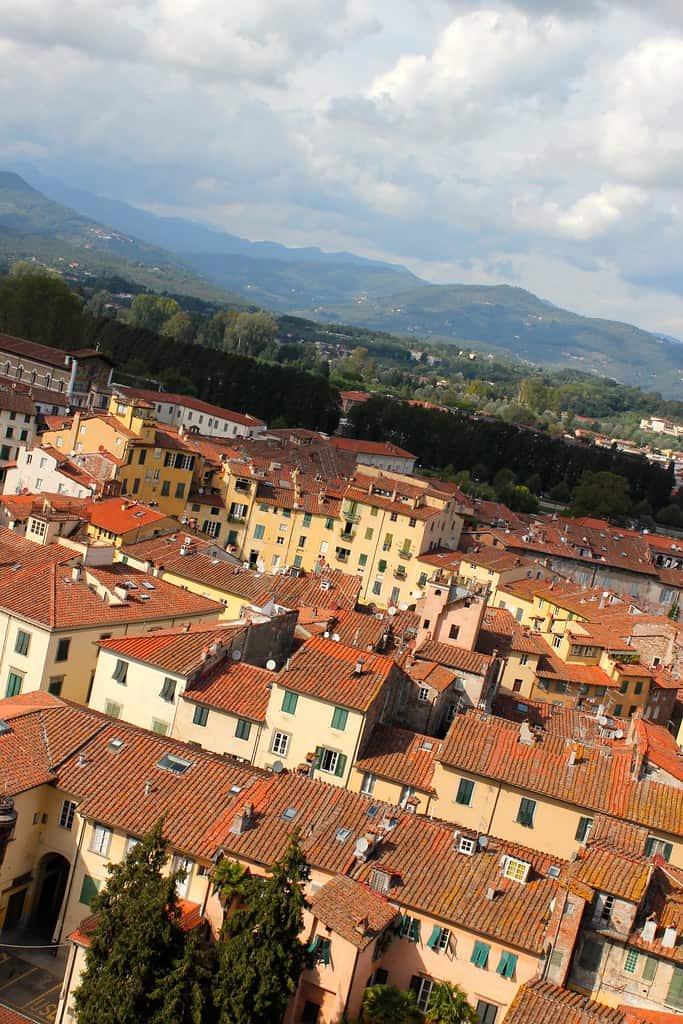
(342, 903)
(665, 901)
(237, 688)
(325, 669)
(34, 351)
(12, 400)
(10, 1016)
(539, 1002)
(173, 650)
(170, 398)
(190, 917)
(436, 676)
(607, 869)
(454, 657)
(600, 780)
(385, 448)
(641, 1015)
(119, 516)
(400, 755)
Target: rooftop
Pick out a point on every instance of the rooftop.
(454, 657)
(352, 910)
(328, 670)
(179, 650)
(539, 1002)
(398, 754)
(236, 688)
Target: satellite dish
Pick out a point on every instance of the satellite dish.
(278, 768)
(236, 655)
(483, 842)
(362, 845)
(619, 734)
(271, 665)
(602, 721)
(403, 607)
(392, 610)
(336, 637)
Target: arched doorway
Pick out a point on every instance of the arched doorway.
(52, 875)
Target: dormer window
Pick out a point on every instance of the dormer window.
(380, 880)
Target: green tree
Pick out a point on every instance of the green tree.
(387, 1004)
(183, 993)
(250, 333)
(41, 307)
(138, 958)
(230, 880)
(152, 311)
(560, 492)
(179, 327)
(448, 1005)
(260, 955)
(670, 515)
(604, 495)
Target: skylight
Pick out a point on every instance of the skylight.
(173, 763)
(289, 814)
(343, 834)
(115, 744)
(373, 811)
(235, 789)
(147, 585)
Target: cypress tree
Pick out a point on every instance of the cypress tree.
(138, 955)
(260, 953)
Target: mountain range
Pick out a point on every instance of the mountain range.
(61, 225)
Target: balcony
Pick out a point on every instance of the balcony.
(400, 573)
(347, 534)
(352, 517)
(403, 553)
(233, 518)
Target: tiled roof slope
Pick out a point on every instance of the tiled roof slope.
(407, 757)
(47, 595)
(43, 731)
(111, 784)
(326, 669)
(600, 780)
(607, 869)
(239, 689)
(539, 1002)
(454, 657)
(173, 650)
(11, 1016)
(343, 902)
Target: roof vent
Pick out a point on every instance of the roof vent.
(115, 744)
(173, 763)
(4, 727)
(649, 930)
(358, 670)
(669, 938)
(490, 893)
(243, 819)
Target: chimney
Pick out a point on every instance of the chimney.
(148, 787)
(358, 670)
(76, 573)
(243, 819)
(526, 736)
(490, 893)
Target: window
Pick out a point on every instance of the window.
(557, 640)
(89, 889)
(120, 673)
(340, 717)
(168, 690)
(180, 490)
(211, 528)
(142, 455)
(584, 829)
(63, 646)
(591, 955)
(525, 814)
(362, 560)
(183, 865)
(388, 541)
(623, 686)
(14, 681)
(242, 729)
(480, 954)
(280, 743)
(453, 632)
(289, 702)
(654, 845)
(377, 588)
(165, 488)
(649, 968)
(393, 516)
(523, 659)
(674, 996)
(517, 870)
(201, 715)
(22, 642)
(259, 531)
(369, 532)
(407, 792)
(465, 791)
(517, 685)
(66, 815)
(507, 964)
(54, 685)
(439, 939)
(136, 485)
(329, 523)
(160, 727)
(638, 688)
(486, 1012)
(367, 784)
(330, 761)
(320, 949)
(310, 1013)
(410, 928)
(631, 961)
(423, 694)
(112, 709)
(302, 541)
(422, 987)
(101, 840)
(604, 907)
(307, 520)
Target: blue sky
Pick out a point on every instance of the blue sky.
(533, 142)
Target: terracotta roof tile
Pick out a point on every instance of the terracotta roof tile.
(454, 657)
(539, 1002)
(342, 903)
(237, 688)
(173, 650)
(398, 754)
(10, 1016)
(607, 869)
(325, 669)
(120, 516)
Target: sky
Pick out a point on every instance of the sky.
(531, 142)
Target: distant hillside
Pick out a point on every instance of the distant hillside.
(33, 227)
(271, 274)
(514, 322)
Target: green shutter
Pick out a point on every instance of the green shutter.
(340, 718)
(313, 945)
(318, 755)
(433, 940)
(289, 702)
(382, 565)
(480, 954)
(667, 851)
(89, 889)
(507, 964)
(464, 794)
(525, 815)
(341, 765)
(649, 968)
(324, 951)
(674, 996)
(414, 933)
(584, 824)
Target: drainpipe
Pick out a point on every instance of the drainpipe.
(65, 902)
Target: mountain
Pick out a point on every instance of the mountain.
(268, 273)
(34, 227)
(514, 322)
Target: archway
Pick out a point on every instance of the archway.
(53, 872)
